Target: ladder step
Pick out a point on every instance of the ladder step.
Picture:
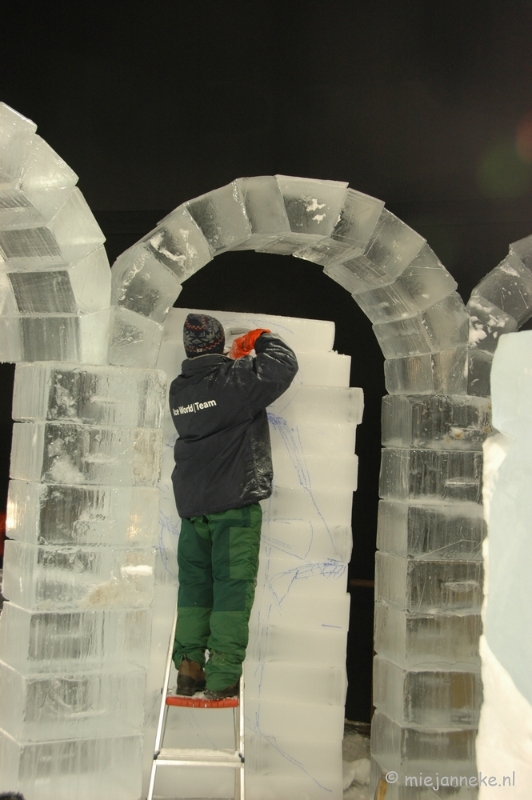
(219, 758)
(200, 701)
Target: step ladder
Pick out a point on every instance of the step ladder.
(188, 757)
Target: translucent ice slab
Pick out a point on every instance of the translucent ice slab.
(412, 640)
(43, 513)
(523, 250)
(312, 207)
(508, 287)
(294, 683)
(442, 326)
(134, 340)
(429, 474)
(69, 235)
(351, 234)
(89, 395)
(301, 404)
(423, 283)
(312, 438)
(314, 765)
(306, 540)
(327, 613)
(487, 323)
(265, 210)
(302, 721)
(407, 750)
(54, 577)
(52, 641)
(445, 372)
(79, 288)
(297, 645)
(441, 531)
(55, 337)
(109, 769)
(38, 183)
(221, 217)
(424, 784)
(300, 334)
(144, 285)
(13, 128)
(438, 421)
(286, 575)
(71, 706)
(309, 505)
(478, 372)
(322, 369)
(392, 247)
(73, 454)
(177, 243)
(432, 698)
(428, 586)
(294, 469)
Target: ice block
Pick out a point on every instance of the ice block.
(508, 287)
(452, 531)
(445, 372)
(478, 372)
(58, 514)
(16, 137)
(71, 706)
(408, 750)
(487, 324)
(79, 288)
(55, 577)
(143, 284)
(73, 641)
(351, 234)
(221, 217)
(435, 421)
(323, 438)
(90, 395)
(313, 506)
(312, 207)
(74, 454)
(134, 340)
(294, 469)
(69, 235)
(301, 721)
(106, 768)
(413, 640)
(55, 337)
(523, 250)
(512, 379)
(285, 575)
(318, 613)
(295, 683)
(309, 404)
(265, 210)
(430, 474)
(432, 698)
(424, 586)
(443, 326)
(284, 643)
(307, 540)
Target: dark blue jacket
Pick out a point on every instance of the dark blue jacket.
(223, 455)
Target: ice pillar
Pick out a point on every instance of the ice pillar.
(503, 744)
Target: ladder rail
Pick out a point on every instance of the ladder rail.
(201, 757)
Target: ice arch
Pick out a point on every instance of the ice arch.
(55, 294)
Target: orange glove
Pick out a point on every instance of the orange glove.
(245, 344)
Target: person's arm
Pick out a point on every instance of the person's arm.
(272, 370)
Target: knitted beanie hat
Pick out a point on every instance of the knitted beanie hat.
(202, 334)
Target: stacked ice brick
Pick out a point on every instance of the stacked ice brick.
(82, 507)
(295, 668)
(54, 274)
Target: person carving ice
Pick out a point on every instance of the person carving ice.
(223, 468)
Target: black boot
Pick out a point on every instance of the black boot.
(222, 694)
(190, 677)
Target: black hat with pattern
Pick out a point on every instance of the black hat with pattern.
(202, 335)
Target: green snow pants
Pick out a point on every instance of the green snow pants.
(218, 559)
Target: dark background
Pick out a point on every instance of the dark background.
(427, 106)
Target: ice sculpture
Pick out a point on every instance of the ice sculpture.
(75, 503)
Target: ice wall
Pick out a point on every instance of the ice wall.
(505, 740)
